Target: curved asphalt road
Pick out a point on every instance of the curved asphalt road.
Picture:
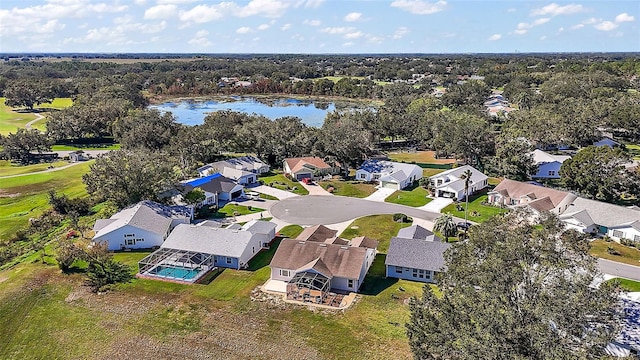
(620, 270)
(315, 209)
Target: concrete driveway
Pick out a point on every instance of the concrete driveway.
(380, 194)
(316, 190)
(437, 204)
(312, 210)
(280, 194)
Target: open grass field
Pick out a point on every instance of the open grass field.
(24, 197)
(416, 197)
(634, 150)
(419, 157)
(628, 255)
(11, 120)
(7, 168)
(57, 104)
(378, 227)
(148, 319)
(349, 188)
(231, 208)
(279, 181)
(481, 213)
(427, 172)
(87, 147)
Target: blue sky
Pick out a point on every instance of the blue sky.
(318, 26)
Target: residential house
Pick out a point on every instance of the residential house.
(313, 269)
(249, 164)
(617, 222)
(513, 193)
(307, 167)
(389, 174)
(450, 183)
(216, 188)
(144, 225)
(415, 254)
(606, 141)
(548, 164)
(78, 155)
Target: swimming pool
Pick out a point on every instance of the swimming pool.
(175, 272)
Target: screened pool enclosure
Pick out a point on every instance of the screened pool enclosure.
(177, 265)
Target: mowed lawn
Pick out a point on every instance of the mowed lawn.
(627, 254)
(378, 227)
(155, 319)
(477, 212)
(7, 168)
(24, 197)
(419, 157)
(279, 181)
(349, 188)
(416, 197)
(87, 147)
(11, 120)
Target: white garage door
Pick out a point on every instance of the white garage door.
(389, 185)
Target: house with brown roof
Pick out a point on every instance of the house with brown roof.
(511, 193)
(313, 268)
(308, 167)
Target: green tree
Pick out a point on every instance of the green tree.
(27, 92)
(462, 135)
(148, 129)
(516, 290)
(21, 145)
(194, 196)
(103, 270)
(466, 176)
(514, 158)
(446, 226)
(345, 137)
(126, 177)
(598, 172)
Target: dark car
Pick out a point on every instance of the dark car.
(464, 225)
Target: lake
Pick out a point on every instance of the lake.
(193, 112)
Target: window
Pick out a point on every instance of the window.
(229, 260)
(618, 234)
(130, 241)
(350, 283)
(636, 238)
(399, 269)
(284, 273)
(552, 173)
(363, 176)
(376, 177)
(129, 235)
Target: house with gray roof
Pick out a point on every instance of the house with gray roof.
(247, 164)
(144, 225)
(548, 164)
(217, 188)
(513, 194)
(415, 254)
(450, 183)
(389, 174)
(617, 222)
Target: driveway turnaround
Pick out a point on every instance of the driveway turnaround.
(312, 210)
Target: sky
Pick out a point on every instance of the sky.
(318, 26)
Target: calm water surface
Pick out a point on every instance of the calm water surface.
(193, 112)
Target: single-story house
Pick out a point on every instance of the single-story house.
(513, 193)
(144, 225)
(415, 254)
(78, 155)
(216, 188)
(615, 221)
(627, 343)
(580, 221)
(606, 141)
(308, 167)
(548, 164)
(191, 251)
(245, 163)
(450, 183)
(389, 174)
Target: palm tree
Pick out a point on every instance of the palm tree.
(467, 179)
(446, 226)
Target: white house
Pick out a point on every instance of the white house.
(307, 167)
(389, 174)
(144, 225)
(415, 254)
(250, 164)
(216, 188)
(630, 231)
(548, 164)
(615, 221)
(450, 183)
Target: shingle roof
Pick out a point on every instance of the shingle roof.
(146, 215)
(318, 265)
(309, 162)
(540, 157)
(341, 261)
(391, 171)
(580, 216)
(246, 163)
(259, 227)
(208, 240)
(363, 241)
(415, 232)
(516, 189)
(416, 254)
(603, 213)
(318, 233)
(634, 224)
(215, 183)
(541, 204)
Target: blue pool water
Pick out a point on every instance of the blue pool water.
(192, 112)
(175, 272)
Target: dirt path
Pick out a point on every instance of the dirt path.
(38, 118)
(41, 172)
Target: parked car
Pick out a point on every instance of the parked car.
(464, 225)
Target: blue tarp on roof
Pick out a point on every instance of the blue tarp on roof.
(202, 180)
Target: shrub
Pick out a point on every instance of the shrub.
(401, 218)
(613, 251)
(607, 239)
(249, 207)
(105, 271)
(331, 189)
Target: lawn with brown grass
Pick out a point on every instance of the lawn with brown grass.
(419, 157)
(628, 255)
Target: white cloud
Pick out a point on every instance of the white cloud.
(375, 39)
(297, 37)
(200, 41)
(522, 27)
(202, 33)
(624, 17)
(591, 21)
(354, 35)
(554, 9)
(606, 26)
(313, 3)
(266, 8)
(511, 10)
(285, 27)
(494, 37)
(561, 29)
(348, 43)
(161, 2)
(337, 30)
(243, 30)
(354, 16)
(420, 7)
(577, 27)
(262, 27)
(140, 2)
(205, 13)
(401, 32)
(161, 11)
(312, 22)
(543, 37)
